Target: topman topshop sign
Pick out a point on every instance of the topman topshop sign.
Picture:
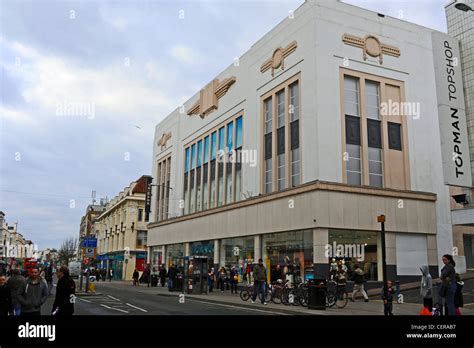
(451, 111)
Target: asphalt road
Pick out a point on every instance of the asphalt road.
(115, 300)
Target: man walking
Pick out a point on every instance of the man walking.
(16, 283)
(260, 277)
(358, 277)
(34, 295)
(65, 293)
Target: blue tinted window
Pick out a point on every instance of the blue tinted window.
(199, 155)
(213, 145)
(221, 138)
(230, 135)
(193, 156)
(186, 161)
(238, 140)
(206, 149)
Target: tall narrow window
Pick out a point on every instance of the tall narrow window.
(186, 175)
(229, 162)
(192, 198)
(352, 118)
(268, 144)
(220, 168)
(295, 133)
(238, 163)
(167, 201)
(158, 192)
(198, 175)
(205, 173)
(281, 170)
(213, 170)
(162, 202)
(374, 133)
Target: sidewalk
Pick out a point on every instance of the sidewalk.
(373, 307)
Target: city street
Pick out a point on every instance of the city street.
(116, 299)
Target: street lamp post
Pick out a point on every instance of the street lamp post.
(381, 220)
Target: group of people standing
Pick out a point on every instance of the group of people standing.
(25, 296)
(101, 274)
(221, 278)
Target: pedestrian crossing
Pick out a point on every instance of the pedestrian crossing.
(113, 304)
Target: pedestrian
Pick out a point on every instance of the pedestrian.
(426, 288)
(234, 279)
(276, 274)
(65, 293)
(103, 273)
(111, 274)
(358, 278)
(458, 297)
(16, 283)
(97, 274)
(221, 278)
(448, 283)
(388, 299)
(162, 275)
(6, 306)
(259, 277)
(135, 278)
(211, 278)
(49, 277)
(34, 294)
(172, 272)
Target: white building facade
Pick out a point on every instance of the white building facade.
(328, 121)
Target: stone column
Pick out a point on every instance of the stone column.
(216, 254)
(187, 249)
(257, 248)
(320, 260)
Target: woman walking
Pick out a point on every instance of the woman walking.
(135, 278)
(221, 279)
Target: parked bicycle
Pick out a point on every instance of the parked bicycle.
(247, 293)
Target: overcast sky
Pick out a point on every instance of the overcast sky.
(132, 62)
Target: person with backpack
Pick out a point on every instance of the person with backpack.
(358, 278)
(16, 283)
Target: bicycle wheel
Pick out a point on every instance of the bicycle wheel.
(285, 296)
(268, 295)
(342, 299)
(276, 295)
(304, 298)
(244, 295)
(330, 299)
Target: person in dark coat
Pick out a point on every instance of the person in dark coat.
(135, 278)
(48, 276)
(103, 273)
(276, 274)
(162, 275)
(172, 272)
(448, 283)
(16, 283)
(458, 298)
(65, 293)
(6, 306)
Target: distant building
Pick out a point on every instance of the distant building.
(461, 26)
(122, 233)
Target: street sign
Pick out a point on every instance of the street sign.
(90, 242)
(90, 252)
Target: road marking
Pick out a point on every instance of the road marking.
(120, 310)
(140, 309)
(240, 308)
(83, 300)
(116, 299)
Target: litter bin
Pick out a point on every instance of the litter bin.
(317, 295)
(154, 280)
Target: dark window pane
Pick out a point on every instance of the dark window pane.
(394, 136)
(352, 130)
(295, 134)
(280, 140)
(185, 181)
(268, 146)
(373, 134)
